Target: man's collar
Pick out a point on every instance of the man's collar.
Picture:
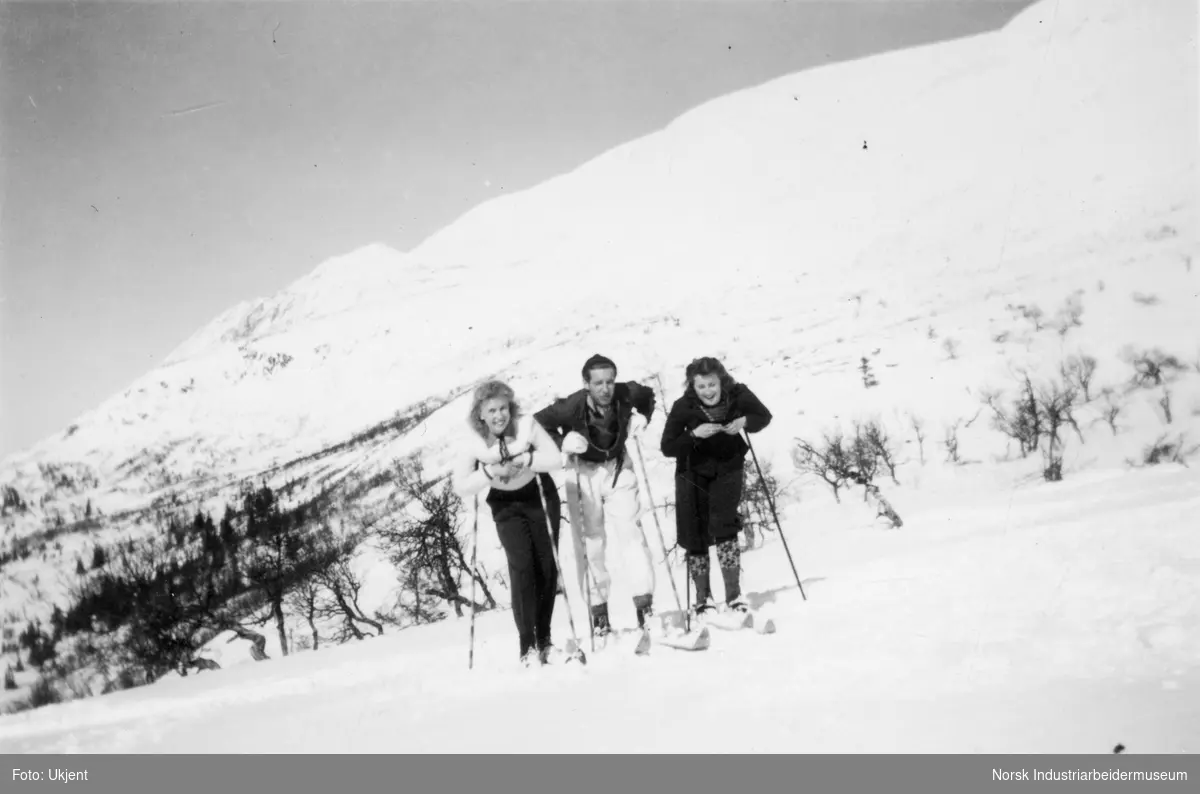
(595, 409)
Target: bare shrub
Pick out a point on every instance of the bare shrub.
(868, 376)
(873, 449)
(1077, 371)
(950, 442)
(1069, 314)
(1164, 451)
(1153, 367)
(1164, 402)
(305, 600)
(1031, 312)
(43, 693)
(1112, 409)
(339, 599)
(427, 545)
(760, 496)
(1036, 414)
(830, 461)
(1056, 402)
(918, 426)
(840, 462)
(1023, 422)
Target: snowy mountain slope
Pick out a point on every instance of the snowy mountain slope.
(908, 204)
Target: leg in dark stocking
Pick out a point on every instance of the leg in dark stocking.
(730, 558)
(697, 563)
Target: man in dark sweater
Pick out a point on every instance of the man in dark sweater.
(592, 425)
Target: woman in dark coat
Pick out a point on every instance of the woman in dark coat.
(703, 434)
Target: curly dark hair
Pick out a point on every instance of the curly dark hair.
(487, 391)
(707, 365)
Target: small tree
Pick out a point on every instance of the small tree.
(1055, 403)
(1112, 409)
(839, 462)
(342, 587)
(868, 377)
(1023, 423)
(759, 494)
(1153, 367)
(57, 620)
(41, 646)
(950, 442)
(230, 541)
(1036, 414)
(99, 558)
(873, 449)
(277, 561)
(42, 693)
(304, 599)
(1164, 451)
(1077, 372)
(830, 461)
(918, 426)
(427, 544)
(1164, 402)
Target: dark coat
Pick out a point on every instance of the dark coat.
(719, 453)
(570, 413)
(708, 471)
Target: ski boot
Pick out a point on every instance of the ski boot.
(549, 653)
(601, 627)
(644, 604)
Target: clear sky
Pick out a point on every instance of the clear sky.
(163, 161)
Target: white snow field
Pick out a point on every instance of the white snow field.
(1033, 620)
(910, 209)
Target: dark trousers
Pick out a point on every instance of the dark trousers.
(706, 508)
(532, 574)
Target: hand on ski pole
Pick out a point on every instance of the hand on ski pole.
(707, 429)
(574, 444)
(735, 427)
(504, 472)
(637, 423)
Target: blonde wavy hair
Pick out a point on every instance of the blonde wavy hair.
(491, 390)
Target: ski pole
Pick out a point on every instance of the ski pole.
(654, 511)
(474, 552)
(558, 565)
(771, 503)
(687, 614)
(587, 564)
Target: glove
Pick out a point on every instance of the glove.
(574, 444)
(637, 423)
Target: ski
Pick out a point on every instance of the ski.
(738, 621)
(616, 638)
(573, 653)
(691, 641)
